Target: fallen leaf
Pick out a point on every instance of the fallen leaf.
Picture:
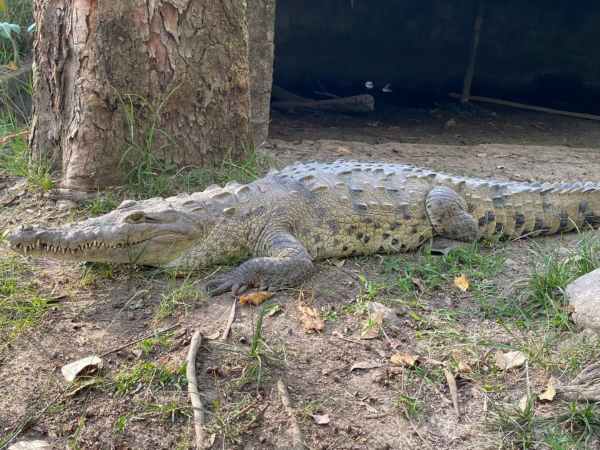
(570, 309)
(418, 283)
(80, 387)
(523, 403)
(321, 420)
(13, 65)
(509, 360)
(549, 393)
(501, 155)
(338, 262)
(481, 155)
(404, 359)
(501, 167)
(212, 336)
(366, 365)
(31, 445)
(450, 123)
(82, 367)
(464, 368)
(462, 283)
(311, 319)
(272, 309)
(342, 149)
(373, 325)
(256, 298)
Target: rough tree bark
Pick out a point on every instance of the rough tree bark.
(90, 54)
(261, 27)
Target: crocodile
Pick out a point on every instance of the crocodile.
(278, 225)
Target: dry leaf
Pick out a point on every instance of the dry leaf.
(450, 123)
(311, 319)
(337, 262)
(272, 309)
(570, 309)
(509, 360)
(342, 149)
(549, 393)
(373, 325)
(500, 167)
(31, 445)
(523, 403)
(404, 359)
(13, 65)
(321, 420)
(82, 367)
(481, 155)
(501, 155)
(80, 387)
(464, 368)
(365, 365)
(418, 283)
(212, 336)
(462, 283)
(256, 298)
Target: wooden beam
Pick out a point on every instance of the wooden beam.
(468, 80)
(529, 107)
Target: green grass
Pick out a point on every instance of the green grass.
(21, 305)
(160, 376)
(545, 287)
(179, 295)
(527, 429)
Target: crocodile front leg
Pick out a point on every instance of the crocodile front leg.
(287, 263)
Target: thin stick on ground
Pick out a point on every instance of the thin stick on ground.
(451, 380)
(229, 322)
(5, 139)
(139, 340)
(297, 436)
(193, 393)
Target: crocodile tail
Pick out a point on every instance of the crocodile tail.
(544, 209)
(510, 210)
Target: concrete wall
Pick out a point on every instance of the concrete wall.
(546, 51)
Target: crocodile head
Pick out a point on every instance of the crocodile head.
(152, 232)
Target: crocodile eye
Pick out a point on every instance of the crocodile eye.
(136, 217)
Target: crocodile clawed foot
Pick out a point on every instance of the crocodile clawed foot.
(226, 282)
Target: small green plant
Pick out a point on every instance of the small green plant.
(172, 410)
(410, 406)
(160, 375)
(101, 204)
(331, 315)
(15, 12)
(178, 295)
(120, 425)
(11, 31)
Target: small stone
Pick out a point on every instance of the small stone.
(584, 299)
(66, 205)
(389, 315)
(326, 372)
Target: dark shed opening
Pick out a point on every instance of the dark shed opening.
(540, 52)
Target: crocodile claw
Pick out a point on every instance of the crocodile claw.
(226, 282)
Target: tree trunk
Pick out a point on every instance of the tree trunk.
(104, 68)
(261, 29)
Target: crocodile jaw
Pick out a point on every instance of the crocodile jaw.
(78, 242)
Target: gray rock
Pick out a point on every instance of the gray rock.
(584, 297)
(389, 315)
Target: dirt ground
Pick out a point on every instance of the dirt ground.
(98, 310)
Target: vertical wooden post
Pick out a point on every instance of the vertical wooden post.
(466, 88)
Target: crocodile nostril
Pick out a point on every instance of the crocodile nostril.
(25, 228)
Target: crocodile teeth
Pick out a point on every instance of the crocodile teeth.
(25, 248)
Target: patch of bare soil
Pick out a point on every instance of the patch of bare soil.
(381, 407)
(450, 124)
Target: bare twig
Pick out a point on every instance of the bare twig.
(297, 436)
(193, 393)
(229, 322)
(254, 422)
(139, 340)
(241, 412)
(453, 389)
(5, 139)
